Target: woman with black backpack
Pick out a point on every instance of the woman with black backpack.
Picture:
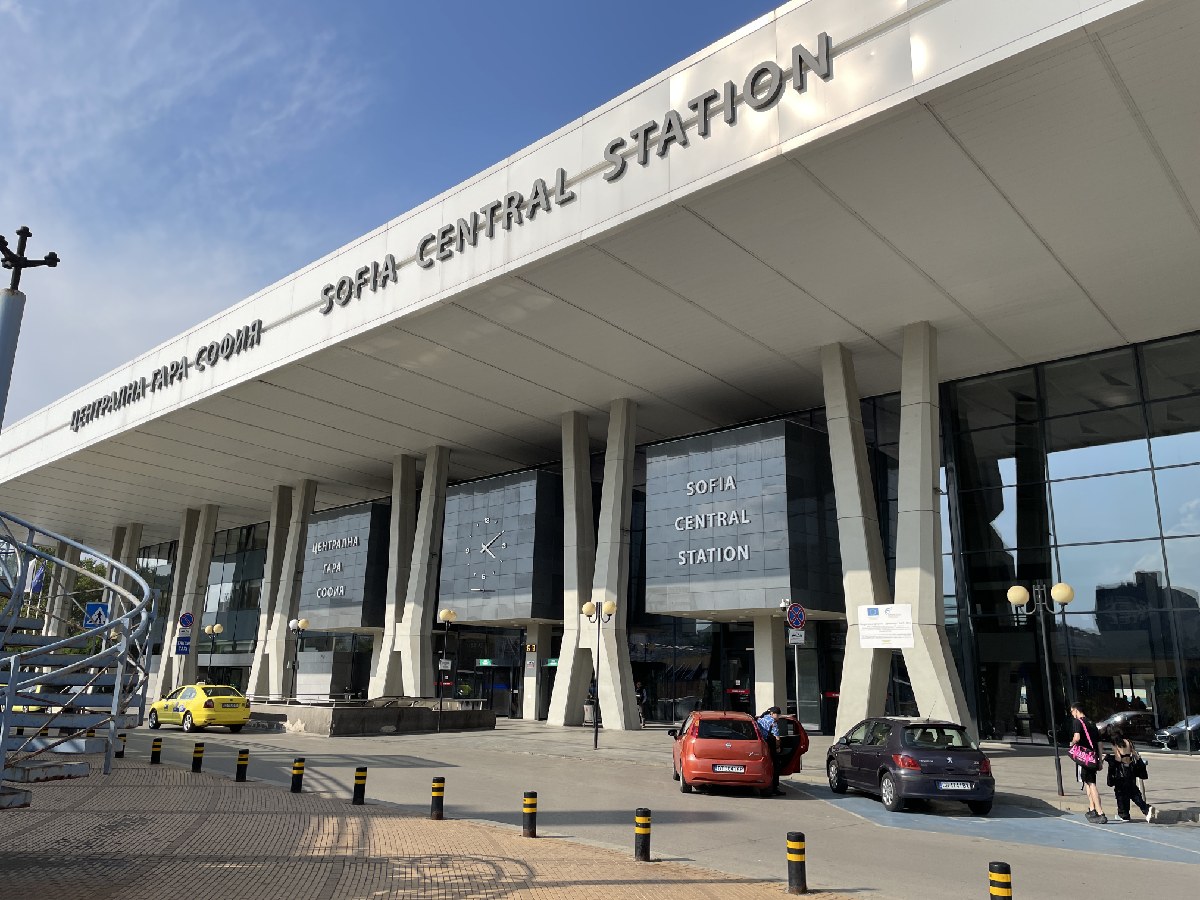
(1125, 767)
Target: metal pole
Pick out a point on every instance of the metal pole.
(441, 669)
(796, 675)
(12, 309)
(1039, 600)
(596, 678)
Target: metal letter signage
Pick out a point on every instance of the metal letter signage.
(207, 356)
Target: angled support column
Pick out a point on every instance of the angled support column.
(385, 662)
(192, 596)
(60, 610)
(864, 570)
(259, 684)
(618, 705)
(931, 669)
(280, 648)
(579, 564)
(416, 624)
(770, 663)
(162, 677)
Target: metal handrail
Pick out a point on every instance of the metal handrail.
(128, 627)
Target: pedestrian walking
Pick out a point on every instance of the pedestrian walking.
(643, 700)
(1125, 767)
(1085, 750)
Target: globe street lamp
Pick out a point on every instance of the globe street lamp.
(446, 617)
(599, 615)
(1020, 599)
(212, 631)
(297, 627)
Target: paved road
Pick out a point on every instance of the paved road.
(854, 845)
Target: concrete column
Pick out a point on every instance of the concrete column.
(416, 624)
(535, 670)
(931, 669)
(192, 596)
(280, 647)
(864, 570)
(770, 663)
(385, 660)
(60, 610)
(579, 564)
(618, 705)
(259, 684)
(162, 678)
(131, 543)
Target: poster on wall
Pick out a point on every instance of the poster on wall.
(885, 627)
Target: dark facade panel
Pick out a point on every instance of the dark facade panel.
(345, 568)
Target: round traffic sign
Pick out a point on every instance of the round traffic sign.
(187, 620)
(796, 616)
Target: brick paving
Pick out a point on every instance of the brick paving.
(161, 833)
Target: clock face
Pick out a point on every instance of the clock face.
(484, 552)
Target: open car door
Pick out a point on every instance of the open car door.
(793, 743)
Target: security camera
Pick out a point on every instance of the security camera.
(785, 603)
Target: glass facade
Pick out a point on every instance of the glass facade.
(231, 598)
(156, 564)
(1085, 471)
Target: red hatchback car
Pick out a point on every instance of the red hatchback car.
(726, 749)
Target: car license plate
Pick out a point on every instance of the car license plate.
(956, 785)
(231, 705)
(721, 768)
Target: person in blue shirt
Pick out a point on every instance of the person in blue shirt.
(768, 726)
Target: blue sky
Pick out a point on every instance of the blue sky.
(179, 156)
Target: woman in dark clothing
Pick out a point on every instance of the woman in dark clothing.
(1086, 733)
(1125, 766)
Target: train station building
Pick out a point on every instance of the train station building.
(881, 307)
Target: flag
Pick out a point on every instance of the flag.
(35, 583)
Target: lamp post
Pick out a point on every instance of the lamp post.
(1020, 599)
(446, 617)
(599, 615)
(12, 305)
(212, 631)
(297, 627)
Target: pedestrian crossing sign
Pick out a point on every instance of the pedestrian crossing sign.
(95, 615)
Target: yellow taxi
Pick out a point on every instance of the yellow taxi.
(200, 705)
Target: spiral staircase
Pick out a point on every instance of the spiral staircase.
(65, 688)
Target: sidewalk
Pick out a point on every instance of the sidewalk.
(162, 833)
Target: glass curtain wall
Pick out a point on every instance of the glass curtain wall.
(234, 587)
(1086, 471)
(156, 564)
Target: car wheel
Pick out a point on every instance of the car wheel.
(153, 720)
(236, 728)
(188, 724)
(888, 793)
(674, 773)
(684, 787)
(980, 807)
(837, 783)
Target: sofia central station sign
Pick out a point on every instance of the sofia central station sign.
(762, 88)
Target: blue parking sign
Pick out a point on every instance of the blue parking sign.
(183, 646)
(95, 615)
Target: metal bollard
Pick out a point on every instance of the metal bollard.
(999, 879)
(297, 774)
(156, 752)
(529, 819)
(242, 762)
(360, 786)
(797, 875)
(20, 731)
(91, 732)
(120, 754)
(641, 834)
(45, 732)
(197, 757)
(439, 796)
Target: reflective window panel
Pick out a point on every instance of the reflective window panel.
(1106, 508)
(1097, 443)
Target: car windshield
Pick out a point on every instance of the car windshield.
(728, 730)
(937, 737)
(221, 692)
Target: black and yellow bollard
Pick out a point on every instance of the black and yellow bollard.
(197, 756)
(91, 732)
(529, 815)
(45, 732)
(797, 874)
(438, 798)
(120, 754)
(999, 879)
(242, 763)
(20, 731)
(156, 752)
(297, 774)
(360, 786)
(641, 834)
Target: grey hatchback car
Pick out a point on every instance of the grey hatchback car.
(912, 759)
